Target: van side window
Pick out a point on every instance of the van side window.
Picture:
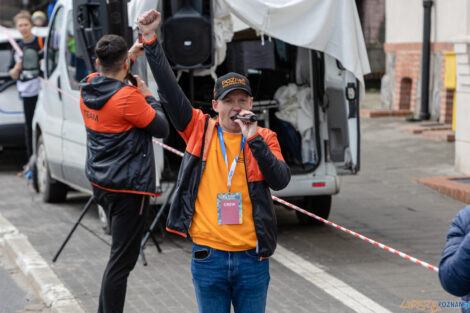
(76, 67)
(53, 42)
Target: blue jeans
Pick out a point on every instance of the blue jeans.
(222, 277)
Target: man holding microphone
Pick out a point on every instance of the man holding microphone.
(222, 198)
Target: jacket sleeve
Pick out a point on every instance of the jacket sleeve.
(180, 111)
(270, 161)
(158, 127)
(454, 266)
(145, 113)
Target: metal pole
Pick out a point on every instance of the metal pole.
(149, 235)
(425, 60)
(191, 86)
(85, 209)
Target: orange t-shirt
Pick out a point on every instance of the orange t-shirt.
(205, 229)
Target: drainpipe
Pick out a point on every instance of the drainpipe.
(425, 60)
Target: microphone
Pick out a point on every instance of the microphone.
(246, 118)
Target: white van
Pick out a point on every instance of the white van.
(319, 137)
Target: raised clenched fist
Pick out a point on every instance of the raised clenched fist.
(148, 24)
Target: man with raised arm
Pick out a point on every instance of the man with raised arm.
(222, 198)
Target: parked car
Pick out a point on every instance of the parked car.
(11, 107)
(318, 145)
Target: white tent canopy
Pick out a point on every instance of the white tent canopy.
(330, 26)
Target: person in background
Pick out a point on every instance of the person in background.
(28, 84)
(39, 19)
(454, 266)
(222, 198)
(120, 120)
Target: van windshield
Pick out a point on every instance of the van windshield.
(76, 66)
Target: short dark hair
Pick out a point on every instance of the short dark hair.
(111, 51)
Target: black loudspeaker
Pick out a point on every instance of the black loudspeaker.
(187, 31)
(95, 18)
(90, 23)
(118, 21)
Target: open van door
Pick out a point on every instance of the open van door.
(92, 20)
(90, 23)
(340, 40)
(342, 107)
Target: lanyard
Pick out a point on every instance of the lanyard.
(224, 153)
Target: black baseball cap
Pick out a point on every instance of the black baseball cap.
(230, 82)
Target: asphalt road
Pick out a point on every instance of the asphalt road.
(382, 203)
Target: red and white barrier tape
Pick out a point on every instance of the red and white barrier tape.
(290, 205)
(164, 146)
(65, 93)
(375, 243)
(12, 41)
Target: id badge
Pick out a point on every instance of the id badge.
(229, 208)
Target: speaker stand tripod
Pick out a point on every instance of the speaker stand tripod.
(85, 209)
(152, 227)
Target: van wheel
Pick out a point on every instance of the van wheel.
(52, 191)
(103, 220)
(318, 205)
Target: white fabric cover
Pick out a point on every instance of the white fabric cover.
(330, 26)
(137, 7)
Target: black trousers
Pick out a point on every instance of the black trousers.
(29, 105)
(126, 214)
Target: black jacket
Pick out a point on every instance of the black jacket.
(454, 266)
(120, 124)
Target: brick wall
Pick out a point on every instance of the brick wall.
(407, 76)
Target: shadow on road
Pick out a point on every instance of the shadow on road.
(12, 160)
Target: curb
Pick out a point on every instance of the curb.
(449, 186)
(374, 113)
(51, 290)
